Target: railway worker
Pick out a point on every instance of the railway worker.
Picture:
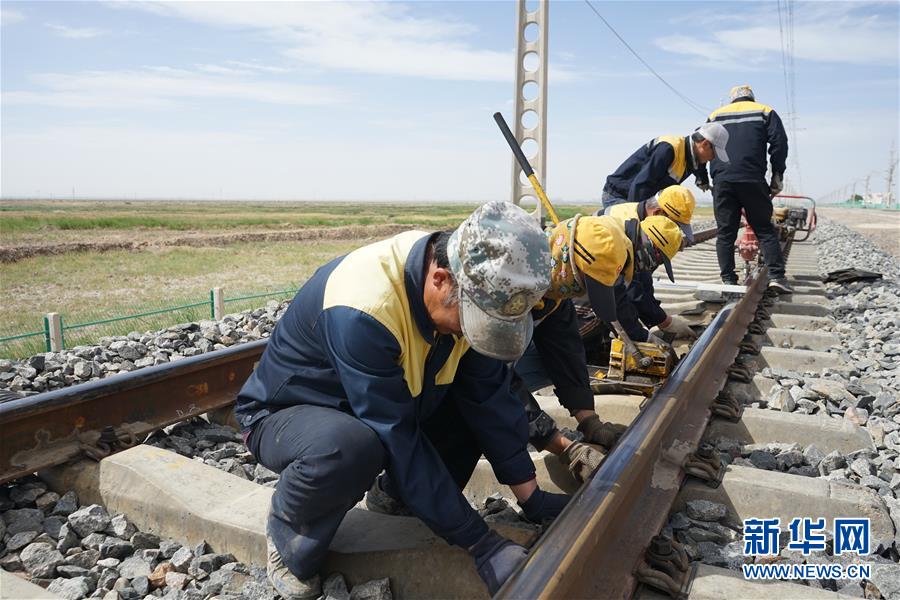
(636, 301)
(753, 129)
(588, 256)
(601, 258)
(655, 240)
(392, 357)
(664, 161)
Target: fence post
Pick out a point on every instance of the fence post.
(53, 332)
(217, 302)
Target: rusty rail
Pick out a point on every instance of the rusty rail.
(594, 547)
(52, 428)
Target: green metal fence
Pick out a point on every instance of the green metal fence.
(863, 205)
(55, 328)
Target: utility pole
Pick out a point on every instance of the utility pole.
(866, 195)
(889, 198)
(530, 119)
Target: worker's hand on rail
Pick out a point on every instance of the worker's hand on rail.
(582, 459)
(679, 326)
(496, 558)
(777, 184)
(542, 506)
(600, 432)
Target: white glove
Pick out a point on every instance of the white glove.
(657, 341)
(680, 327)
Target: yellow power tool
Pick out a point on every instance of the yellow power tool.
(622, 363)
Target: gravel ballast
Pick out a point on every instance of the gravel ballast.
(864, 390)
(81, 551)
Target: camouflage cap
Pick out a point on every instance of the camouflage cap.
(500, 260)
(741, 91)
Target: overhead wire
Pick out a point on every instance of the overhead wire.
(698, 107)
(788, 54)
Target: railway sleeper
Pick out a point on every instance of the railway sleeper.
(787, 335)
(757, 426)
(716, 583)
(15, 587)
(173, 496)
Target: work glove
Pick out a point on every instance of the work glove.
(582, 459)
(680, 327)
(600, 432)
(542, 506)
(496, 558)
(702, 185)
(656, 340)
(777, 184)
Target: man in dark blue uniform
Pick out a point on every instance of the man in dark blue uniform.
(741, 182)
(665, 161)
(392, 357)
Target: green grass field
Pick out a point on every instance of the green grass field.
(89, 286)
(21, 218)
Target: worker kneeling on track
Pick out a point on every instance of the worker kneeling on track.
(588, 256)
(393, 357)
(657, 228)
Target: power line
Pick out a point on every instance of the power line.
(787, 99)
(786, 31)
(701, 109)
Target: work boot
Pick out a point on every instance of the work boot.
(780, 286)
(378, 500)
(288, 585)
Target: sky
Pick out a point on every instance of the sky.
(393, 101)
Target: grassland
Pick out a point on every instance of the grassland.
(164, 267)
(136, 257)
(21, 221)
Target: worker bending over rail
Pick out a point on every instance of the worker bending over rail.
(588, 255)
(664, 161)
(636, 302)
(393, 357)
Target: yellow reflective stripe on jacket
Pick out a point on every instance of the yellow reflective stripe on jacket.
(679, 163)
(624, 211)
(738, 112)
(371, 279)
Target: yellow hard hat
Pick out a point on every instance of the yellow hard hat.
(678, 203)
(600, 248)
(666, 236)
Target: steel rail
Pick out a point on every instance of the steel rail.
(703, 236)
(55, 427)
(52, 428)
(595, 545)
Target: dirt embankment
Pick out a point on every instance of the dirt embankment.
(13, 253)
(881, 226)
